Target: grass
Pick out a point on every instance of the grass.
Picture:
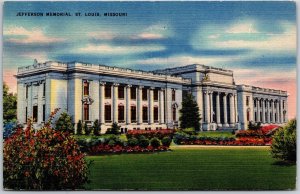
(215, 134)
(91, 136)
(205, 168)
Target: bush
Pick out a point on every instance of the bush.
(111, 142)
(190, 131)
(132, 141)
(44, 160)
(254, 126)
(87, 129)
(64, 123)
(155, 142)
(284, 142)
(143, 142)
(79, 127)
(10, 128)
(115, 129)
(96, 127)
(166, 141)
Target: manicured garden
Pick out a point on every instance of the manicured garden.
(209, 168)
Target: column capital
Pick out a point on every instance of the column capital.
(140, 87)
(162, 89)
(102, 83)
(230, 94)
(128, 86)
(116, 84)
(151, 88)
(225, 93)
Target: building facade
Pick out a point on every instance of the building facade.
(143, 100)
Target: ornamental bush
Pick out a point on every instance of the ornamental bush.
(155, 142)
(284, 142)
(47, 159)
(79, 127)
(115, 129)
(96, 127)
(132, 141)
(166, 141)
(143, 142)
(64, 123)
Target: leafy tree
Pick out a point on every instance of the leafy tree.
(9, 104)
(79, 127)
(115, 129)
(87, 130)
(96, 127)
(64, 123)
(254, 126)
(189, 114)
(284, 142)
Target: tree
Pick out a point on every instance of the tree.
(96, 127)
(189, 114)
(79, 128)
(9, 104)
(64, 123)
(115, 129)
(284, 142)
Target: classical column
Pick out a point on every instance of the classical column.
(281, 111)
(206, 108)
(273, 112)
(115, 102)
(139, 105)
(263, 111)
(150, 101)
(128, 107)
(235, 108)
(218, 109)
(102, 96)
(211, 106)
(161, 106)
(258, 111)
(277, 111)
(268, 111)
(225, 110)
(231, 104)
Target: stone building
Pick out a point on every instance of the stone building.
(143, 100)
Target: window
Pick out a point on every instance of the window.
(27, 91)
(86, 110)
(247, 100)
(173, 95)
(259, 103)
(174, 114)
(145, 114)
(121, 92)
(248, 115)
(255, 101)
(35, 114)
(120, 113)
(107, 91)
(107, 113)
(133, 93)
(26, 115)
(155, 93)
(44, 109)
(255, 117)
(283, 104)
(271, 118)
(144, 94)
(133, 114)
(270, 104)
(86, 88)
(44, 89)
(155, 114)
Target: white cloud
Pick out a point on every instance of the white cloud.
(29, 36)
(39, 56)
(244, 27)
(113, 50)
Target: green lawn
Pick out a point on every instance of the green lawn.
(215, 134)
(206, 168)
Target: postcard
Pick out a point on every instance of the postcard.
(150, 96)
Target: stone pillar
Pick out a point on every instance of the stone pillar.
(115, 102)
(139, 105)
(268, 111)
(40, 88)
(206, 108)
(277, 111)
(218, 118)
(263, 111)
(101, 103)
(161, 106)
(232, 109)
(235, 108)
(258, 111)
(150, 101)
(273, 112)
(128, 107)
(225, 124)
(281, 111)
(211, 106)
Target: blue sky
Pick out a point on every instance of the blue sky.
(255, 39)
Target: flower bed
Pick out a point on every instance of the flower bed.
(160, 134)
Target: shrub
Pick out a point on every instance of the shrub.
(64, 123)
(44, 160)
(96, 127)
(87, 129)
(155, 142)
(10, 128)
(132, 141)
(143, 142)
(79, 127)
(111, 142)
(115, 129)
(254, 126)
(190, 131)
(284, 142)
(166, 141)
